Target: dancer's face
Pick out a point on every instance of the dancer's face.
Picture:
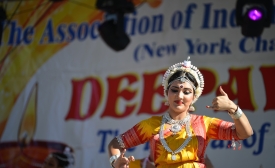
(180, 96)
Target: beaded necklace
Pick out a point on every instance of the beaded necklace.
(177, 124)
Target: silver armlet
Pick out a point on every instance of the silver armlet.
(120, 141)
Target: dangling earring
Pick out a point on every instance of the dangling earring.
(191, 108)
(166, 103)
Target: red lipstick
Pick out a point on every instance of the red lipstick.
(178, 102)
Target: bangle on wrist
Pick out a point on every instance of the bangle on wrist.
(237, 115)
(113, 159)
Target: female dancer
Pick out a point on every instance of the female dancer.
(179, 139)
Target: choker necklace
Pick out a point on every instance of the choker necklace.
(167, 119)
(176, 125)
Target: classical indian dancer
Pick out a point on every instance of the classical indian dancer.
(178, 138)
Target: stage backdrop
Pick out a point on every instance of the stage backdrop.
(62, 87)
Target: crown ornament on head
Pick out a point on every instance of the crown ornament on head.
(184, 66)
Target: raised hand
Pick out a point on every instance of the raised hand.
(222, 102)
(123, 161)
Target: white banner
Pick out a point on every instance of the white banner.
(85, 93)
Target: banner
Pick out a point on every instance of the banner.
(62, 87)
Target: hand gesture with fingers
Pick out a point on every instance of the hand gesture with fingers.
(123, 161)
(222, 102)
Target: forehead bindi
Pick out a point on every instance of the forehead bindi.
(184, 85)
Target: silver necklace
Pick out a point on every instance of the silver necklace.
(186, 122)
(176, 125)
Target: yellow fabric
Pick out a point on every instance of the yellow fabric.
(148, 130)
(135, 164)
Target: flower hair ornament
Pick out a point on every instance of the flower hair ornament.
(184, 66)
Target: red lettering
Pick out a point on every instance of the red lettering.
(268, 73)
(151, 88)
(75, 111)
(242, 92)
(115, 92)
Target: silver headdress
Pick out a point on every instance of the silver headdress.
(185, 67)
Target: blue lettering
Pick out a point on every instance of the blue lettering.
(177, 17)
(137, 56)
(191, 46)
(103, 141)
(213, 47)
(131, 22)
(224, 46)
(207, 8)
(272, 45)
(220, 17)
(143, 25)
(141, 50)
(28, 35)
(171, 49)
(160, 51)
(150, 51)
(188, 12)
(216, 18)
(94, 33)
(146, 146)
(82, 31)
(18, 35)
(217, 144)
(15, 33)
(261, 45)
(47, 34)
(249, 145)
(157, 23)
(176, 20)
(242, 46)
(104, 134)
(131, 149)
(204, 48)
(262, 131)
(71, 31)
(61, 33)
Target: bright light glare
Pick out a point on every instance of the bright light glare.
(255, 14)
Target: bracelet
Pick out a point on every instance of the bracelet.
(237, 115)
(120, 141)
(113, 159)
